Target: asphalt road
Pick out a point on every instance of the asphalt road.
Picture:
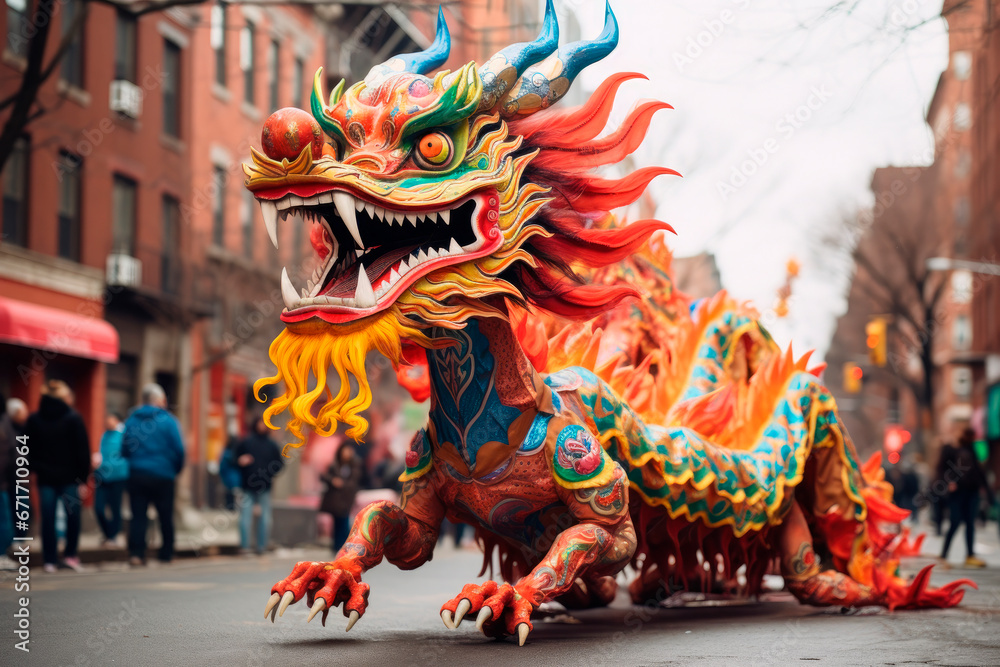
(210, 612)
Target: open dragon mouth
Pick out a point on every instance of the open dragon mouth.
(370, 253)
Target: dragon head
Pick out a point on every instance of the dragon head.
(437, 196)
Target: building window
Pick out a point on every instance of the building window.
(963, 117)
(70, 167)
(961, 333)
(171, 89)
(18, 27)
(72, 62)
(219, 209)
(15, 195)
(218, 39)
(961, 64)
(961, 381)
(246, 223)
(123, 200)
(170, 261)
(125, 47)
(297, 76)
(246, 61)
(273, 68)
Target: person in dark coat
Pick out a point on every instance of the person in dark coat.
(60, 458)
(341, 481)
(965, 478)
(259, 459)
(153, 447)
(8, 443)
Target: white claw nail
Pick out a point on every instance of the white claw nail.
(318, 606)
(522, 633)
(463, 608)
(484, 615)
(446, 617)
(286, 600)
(271, 602)
(352, 620)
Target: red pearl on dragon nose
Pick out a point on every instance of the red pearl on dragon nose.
(287, 131)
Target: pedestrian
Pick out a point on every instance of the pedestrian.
(8, 443)
(110, 477)
(60, 458)
(259, 459)
(229, 472)
(341, 481)
(939, 487)
(153, 447)
(17, 411)
(965, 479)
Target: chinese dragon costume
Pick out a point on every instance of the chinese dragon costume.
(460, 231)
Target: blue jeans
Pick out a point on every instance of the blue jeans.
(341, 531)
(247, 500)
(109, 496)
(6, 524)
(70, 497)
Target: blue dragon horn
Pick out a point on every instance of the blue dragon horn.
(542, 85)
(500, 72)
(430, 58)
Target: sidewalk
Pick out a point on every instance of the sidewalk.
(206, 532)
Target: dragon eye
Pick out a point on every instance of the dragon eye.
(434, 150)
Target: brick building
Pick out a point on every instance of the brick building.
(984, 233)
(923, 213)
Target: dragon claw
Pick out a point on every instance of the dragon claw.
(463, 608)
(500, 610)
(272, 602)
(317, 607)
(286, 599)
(522, 633)
(322, 585)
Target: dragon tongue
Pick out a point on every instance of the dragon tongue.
(345, 208)
(364, 295)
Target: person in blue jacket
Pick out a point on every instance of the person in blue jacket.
(154, 449)
(111, 477)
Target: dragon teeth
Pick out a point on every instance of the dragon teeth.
(364, 296)
(269, 211)
(288, 294)
(454, 248)
(346, 204)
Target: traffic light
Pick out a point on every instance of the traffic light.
(875, 332)
(852, 377)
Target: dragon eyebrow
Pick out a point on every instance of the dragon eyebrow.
(456, 103)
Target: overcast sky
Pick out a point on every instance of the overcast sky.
(819, 100)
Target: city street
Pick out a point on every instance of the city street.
(210, 612)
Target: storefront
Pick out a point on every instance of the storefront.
(38, 343)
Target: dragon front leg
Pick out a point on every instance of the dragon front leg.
(599, 546)
(404, 535)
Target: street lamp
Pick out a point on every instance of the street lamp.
(949, 264)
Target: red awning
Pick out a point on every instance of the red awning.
(60, 331)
